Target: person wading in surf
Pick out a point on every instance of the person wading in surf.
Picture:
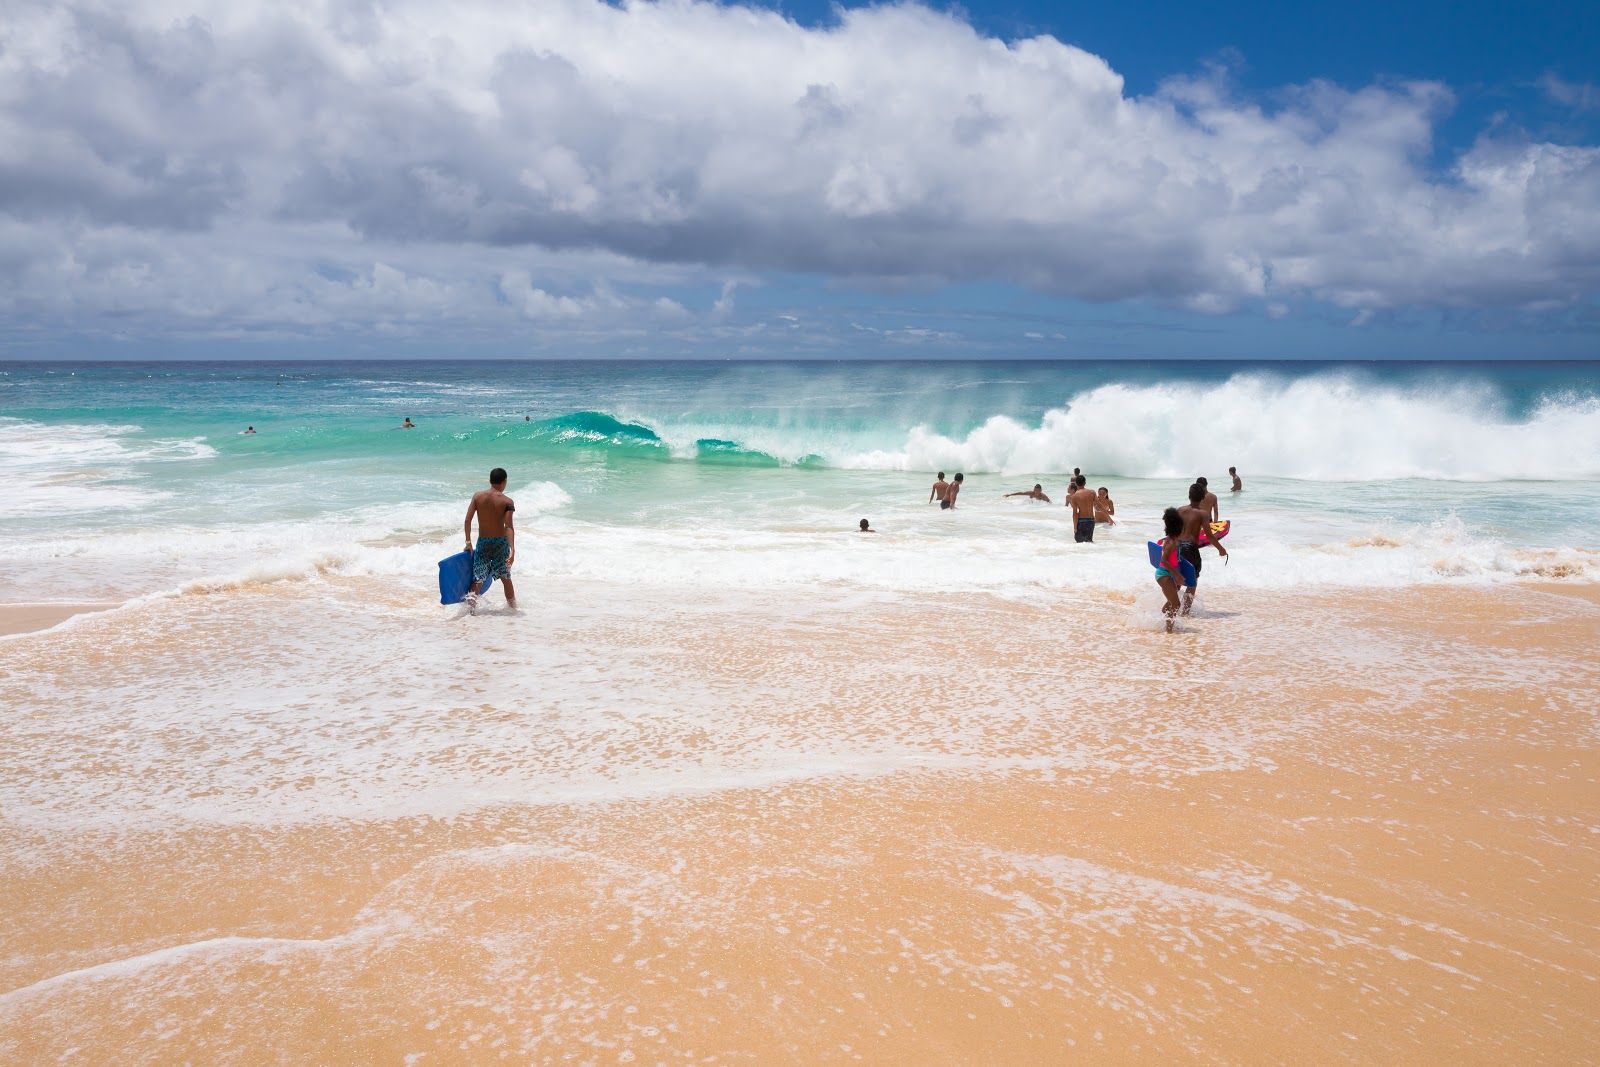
(1233, 472)
(1211, 499)
(941, 492)
(497, 538)
(1194, 516)
(1082, 501)
(953, 491)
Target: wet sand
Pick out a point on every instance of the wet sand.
(1362, 829)
(26, 618)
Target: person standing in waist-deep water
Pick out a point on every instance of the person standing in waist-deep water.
(1210, 503)
(1104, 508)
(941, 492)
(953, 491)
(1194, 519)
(497, 538)
(1237, 484)
(1169, 575)
(1082, 501)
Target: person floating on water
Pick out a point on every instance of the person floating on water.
(1104, 508)
(1169, 574)
(1194, 518)
(940, 492)
(1210, 503)
(497, 538)
(866, 527)
(1036, 493)
(408, 424)
(1237, 484)
(1082, 502)
(953, 491)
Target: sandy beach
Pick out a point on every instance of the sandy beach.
(866, 828)
(26, 618)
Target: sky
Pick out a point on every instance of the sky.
(574, 179)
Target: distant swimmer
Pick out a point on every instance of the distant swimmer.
(1195, 517)
(1169, 575)
(941, 492)
(953, 491)
(1237, 484)
(249, 429)
(497, 538)
(1211, 498)
(1105, 508)
(408, 424)
(1082, 502)
(1036, 493)
(866, 527)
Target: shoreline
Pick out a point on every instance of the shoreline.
(29, 618)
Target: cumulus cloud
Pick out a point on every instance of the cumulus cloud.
(304, 160)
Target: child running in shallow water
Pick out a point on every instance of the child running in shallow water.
(1169, 574)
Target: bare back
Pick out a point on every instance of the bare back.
(1083, 503)
(493, 509)
(1194, 519)
(1210, 504)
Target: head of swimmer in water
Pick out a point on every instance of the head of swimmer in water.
(1201, 481)
(865, 526)
(941, 476)
(1233, 470)
(961, 477)
(1197, 493)
(1082, 481)
(1037, 488)
(497, 477)
(1172, 522)
(1104, 492)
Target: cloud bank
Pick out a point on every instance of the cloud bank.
(306, 164)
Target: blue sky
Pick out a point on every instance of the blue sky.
(568, 179)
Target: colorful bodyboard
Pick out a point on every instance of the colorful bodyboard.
(455, 578)
(1185, 568)
(1215, 531)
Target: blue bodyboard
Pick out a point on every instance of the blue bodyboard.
(455, 578)
(1184, 566)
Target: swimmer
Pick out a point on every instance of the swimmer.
(1036, 493)
(1082, 501)
(408, 424)
(1169, 574)
(1237, 484)
(249, 429)
(1211, 498)
(954, 490)
(866, 527)
(1104, 508)
(941, 492)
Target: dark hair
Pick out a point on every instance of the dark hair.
(941, 474)
(1233, 470)
(865, 524)
(960, 477)
(1083, 480)
(1200, 480)
(1037, 487)
(1197, 493)
(497, 476)
(1103, 489)
(1172, 521)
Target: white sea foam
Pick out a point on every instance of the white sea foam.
(70, 466)
(1321, 428)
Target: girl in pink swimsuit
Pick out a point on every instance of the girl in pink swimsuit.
(1168, 575)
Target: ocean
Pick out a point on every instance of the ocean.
(735, 783)
(132, 479)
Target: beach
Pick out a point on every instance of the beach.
(735, 783)
(892, 830)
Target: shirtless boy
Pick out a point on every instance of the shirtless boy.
(497, 538)
(1082, 501)
(1036, 493)
(1194, 517)
(953, 491)
(941, 492)
(1211, 498)
(1237, 484)
(1104, 508)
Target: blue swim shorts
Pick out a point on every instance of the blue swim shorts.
(489, 559)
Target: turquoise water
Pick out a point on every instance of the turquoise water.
(735, 473)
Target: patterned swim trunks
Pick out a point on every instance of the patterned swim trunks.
(489, 559)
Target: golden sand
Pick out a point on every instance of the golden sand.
(26, 618)
(1361, 829)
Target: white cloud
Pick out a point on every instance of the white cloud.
(252, 162)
